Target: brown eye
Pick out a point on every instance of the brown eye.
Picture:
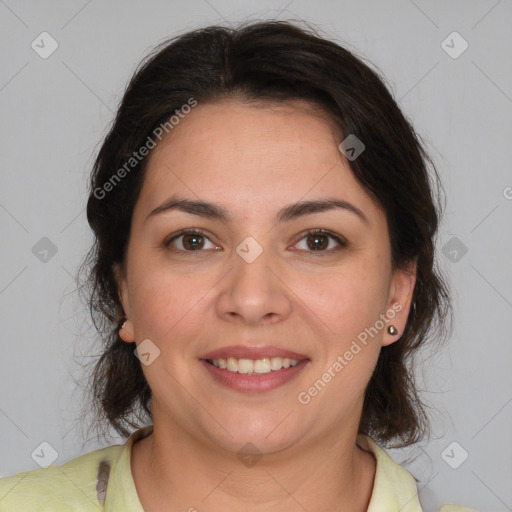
(320, 241)
(317, 242)
(190, 241)
(193, 242)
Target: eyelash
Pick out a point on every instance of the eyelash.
(324, 232)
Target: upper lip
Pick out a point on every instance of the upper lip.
(245, 352)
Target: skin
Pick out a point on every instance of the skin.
(253, 160)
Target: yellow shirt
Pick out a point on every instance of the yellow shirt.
(74, 485)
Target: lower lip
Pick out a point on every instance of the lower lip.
(255, 383)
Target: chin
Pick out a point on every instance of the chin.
(268, 433)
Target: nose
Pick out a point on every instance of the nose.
(254, 291)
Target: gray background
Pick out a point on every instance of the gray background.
(56, 110)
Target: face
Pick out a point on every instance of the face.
(259, 284)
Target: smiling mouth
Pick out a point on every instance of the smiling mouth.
(253, 366)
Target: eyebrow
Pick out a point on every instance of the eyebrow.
(286, 214)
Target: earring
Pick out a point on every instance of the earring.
(392, 330)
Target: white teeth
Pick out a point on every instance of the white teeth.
(245, 365)
(232, 364)
(262, 366)
(276, 363)
(254, 366)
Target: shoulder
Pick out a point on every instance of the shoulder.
(71, 486)
(394, 485)
(456, 508)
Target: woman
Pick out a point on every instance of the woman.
(262, 274)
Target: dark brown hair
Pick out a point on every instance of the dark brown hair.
(270, 61)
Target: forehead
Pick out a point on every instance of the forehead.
(261, 155)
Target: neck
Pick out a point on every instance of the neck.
(175, 472)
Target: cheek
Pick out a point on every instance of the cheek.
(347, 300)
(348, 305)
(167, 302)
(159, 301)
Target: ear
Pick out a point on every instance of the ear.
(400, 299)
(126, 333)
